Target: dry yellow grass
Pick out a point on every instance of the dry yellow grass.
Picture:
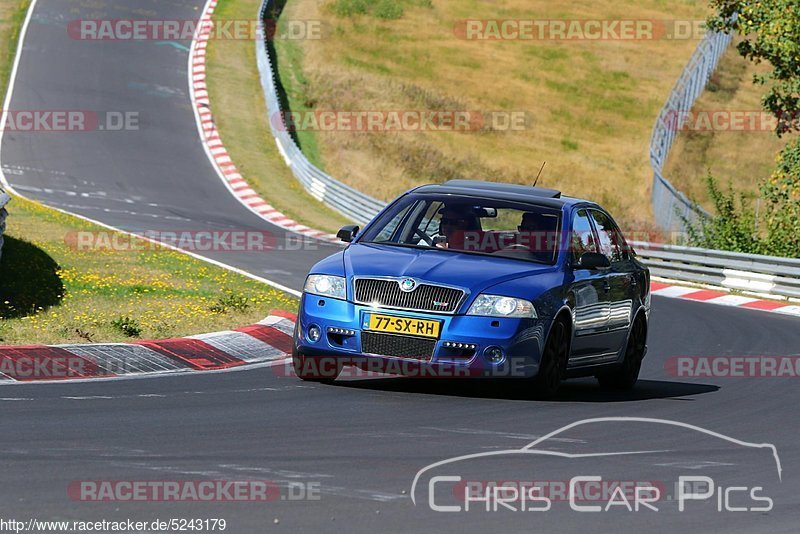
(592, 103)
(742, 158)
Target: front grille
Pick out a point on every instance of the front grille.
(425, 297)
(396, 346)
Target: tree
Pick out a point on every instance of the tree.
(771, 33)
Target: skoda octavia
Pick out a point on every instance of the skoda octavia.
(479, 279)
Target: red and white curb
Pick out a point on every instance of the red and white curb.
(269, 340)
(212, 143)
(721, 298)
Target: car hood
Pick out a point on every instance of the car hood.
(471, 271)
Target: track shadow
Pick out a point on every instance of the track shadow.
(585, 390)
(28, 279)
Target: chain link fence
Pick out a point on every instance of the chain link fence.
(669, 204)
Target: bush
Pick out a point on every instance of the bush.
(732, 228)
(230, 302)
(737, 227)
(126, 325)
(388, 9)
(348, 8)
(782, 195)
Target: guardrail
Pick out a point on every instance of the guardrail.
(669, 204)
(350, 202)
(4, 198)
(768, 275)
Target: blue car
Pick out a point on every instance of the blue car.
(479, 279)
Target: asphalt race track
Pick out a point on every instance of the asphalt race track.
(356, 445)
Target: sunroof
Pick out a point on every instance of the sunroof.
(510, 188)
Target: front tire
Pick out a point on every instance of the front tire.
(553, 362)
(625, 376)
(314, 369)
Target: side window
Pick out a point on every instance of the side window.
(430, 222)
(582, 237)
(610, 240)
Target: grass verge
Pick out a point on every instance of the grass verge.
(53, 292)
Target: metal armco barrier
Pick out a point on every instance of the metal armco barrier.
(768, 275)
(351, 203)
(4, 198)
(667, 201)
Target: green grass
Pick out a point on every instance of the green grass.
(12, 15)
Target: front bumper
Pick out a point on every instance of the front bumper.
(461, 347)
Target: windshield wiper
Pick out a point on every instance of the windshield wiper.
(395, 244)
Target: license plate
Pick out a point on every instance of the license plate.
(404, 325)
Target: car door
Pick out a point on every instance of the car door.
(589, 293)
(621, 278)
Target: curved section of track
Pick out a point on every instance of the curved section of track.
(153, 178)
(361, 441)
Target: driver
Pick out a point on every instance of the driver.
(452, 225)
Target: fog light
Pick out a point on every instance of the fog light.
(494, 354)
(314, 333)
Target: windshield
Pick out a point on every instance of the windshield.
(474, 226)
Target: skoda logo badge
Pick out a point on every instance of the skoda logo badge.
(408, 285)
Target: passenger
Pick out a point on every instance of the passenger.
(538, 233)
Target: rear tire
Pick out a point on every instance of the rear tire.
(311, 370)
(553, 362)
(625, 376)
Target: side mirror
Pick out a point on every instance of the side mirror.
(348, 233)
(593, 260)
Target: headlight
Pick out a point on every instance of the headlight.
(499, 306)
(325, 285)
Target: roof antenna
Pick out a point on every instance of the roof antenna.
(536, 181)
